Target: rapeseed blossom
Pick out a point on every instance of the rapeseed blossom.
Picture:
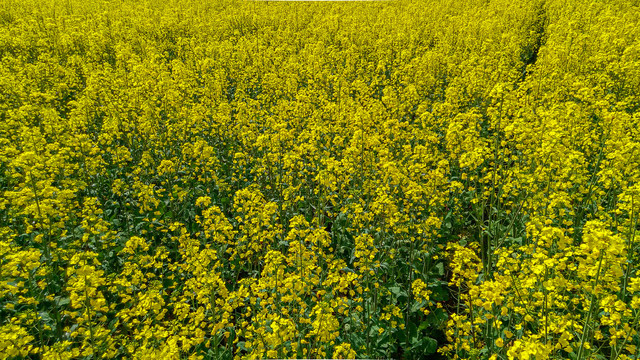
(233, 179)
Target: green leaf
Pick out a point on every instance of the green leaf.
(241, 346)
(429, 345)
(62, 301)
(398, 292)
(417, 306)
(46, 317)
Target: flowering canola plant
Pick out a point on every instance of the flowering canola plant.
(244, 179)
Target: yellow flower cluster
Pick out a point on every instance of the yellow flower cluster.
(549, 275)
(388, 179)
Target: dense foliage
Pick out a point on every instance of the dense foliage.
(242, 179)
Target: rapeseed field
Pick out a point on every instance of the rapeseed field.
(235, 179)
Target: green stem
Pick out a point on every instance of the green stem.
(630, 257)
(626, 338)
(88, 309)
(591, 307)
